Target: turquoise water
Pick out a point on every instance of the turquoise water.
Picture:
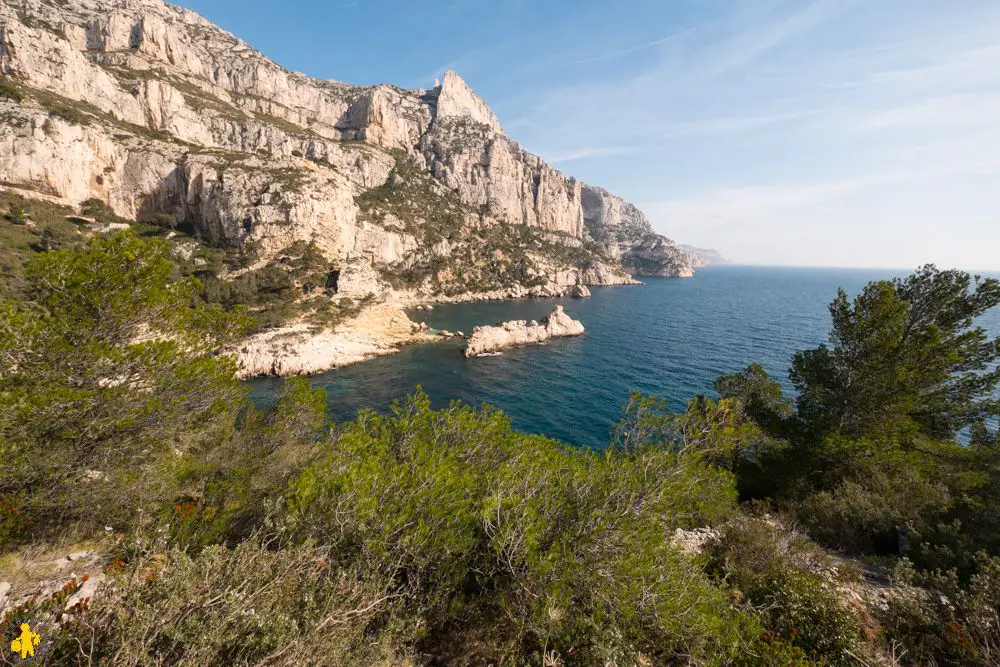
(670, 338)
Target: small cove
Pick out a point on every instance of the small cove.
(669, 337)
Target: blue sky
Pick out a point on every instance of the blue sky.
(812, 132)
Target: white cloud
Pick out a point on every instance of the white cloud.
(961, 110)
(634, 49)
(591, 152)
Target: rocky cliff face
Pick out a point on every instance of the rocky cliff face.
(155, 111)
(624, 232)
(704, 256)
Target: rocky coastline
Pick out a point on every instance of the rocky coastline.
(295, 191)
(301, 349)
(513, 293)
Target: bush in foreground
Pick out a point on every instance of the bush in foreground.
(445, 533)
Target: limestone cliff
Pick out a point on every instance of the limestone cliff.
(704, 256)
(165, 117)
(626, 234)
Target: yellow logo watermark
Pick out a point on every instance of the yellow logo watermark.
(26, 643)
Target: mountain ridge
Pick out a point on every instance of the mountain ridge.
(169, 71)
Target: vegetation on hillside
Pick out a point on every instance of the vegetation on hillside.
(415, 202)
(298, 282)
(463, 249)
(234, 534)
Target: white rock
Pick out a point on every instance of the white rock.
(299, 350)
(487, 340)
(626, 234)
(456, 100)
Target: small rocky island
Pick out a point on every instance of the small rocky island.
(486, 340)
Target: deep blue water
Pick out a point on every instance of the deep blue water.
(670, 337)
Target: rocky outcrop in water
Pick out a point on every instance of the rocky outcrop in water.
(487, 340)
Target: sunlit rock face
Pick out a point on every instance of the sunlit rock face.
(156, 111)
(492, 339)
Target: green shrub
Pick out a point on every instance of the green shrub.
(99, 210)
(945, 622)
(244, 605)
(770, 571)
(47, 614)
(866, 512)
(148, 229)
(551, 548)
(10, 90)
(93, 423)
(16, 214)
(283, 289)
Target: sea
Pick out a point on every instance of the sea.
(669, 338)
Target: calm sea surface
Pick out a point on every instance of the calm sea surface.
(670, 338)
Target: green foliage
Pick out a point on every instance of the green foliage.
(10, 90)
(41, 226)
(719, 432)
(645, 422)
(106, 291)
(98, 389)
(100, 210)
(16, 214)
(879, 499)
(798, 606)
(262, 286)
(48, 616)
(869, 462)
(904, 358)
(298, 281)
(566, 549)
(757, 396)
(273, 536)
(245, 605)
(946, 623)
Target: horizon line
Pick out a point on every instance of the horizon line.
(842, 266)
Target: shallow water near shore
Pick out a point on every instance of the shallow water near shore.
(670, 338)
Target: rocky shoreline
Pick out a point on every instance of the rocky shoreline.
(548, 291)
(301, 349)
